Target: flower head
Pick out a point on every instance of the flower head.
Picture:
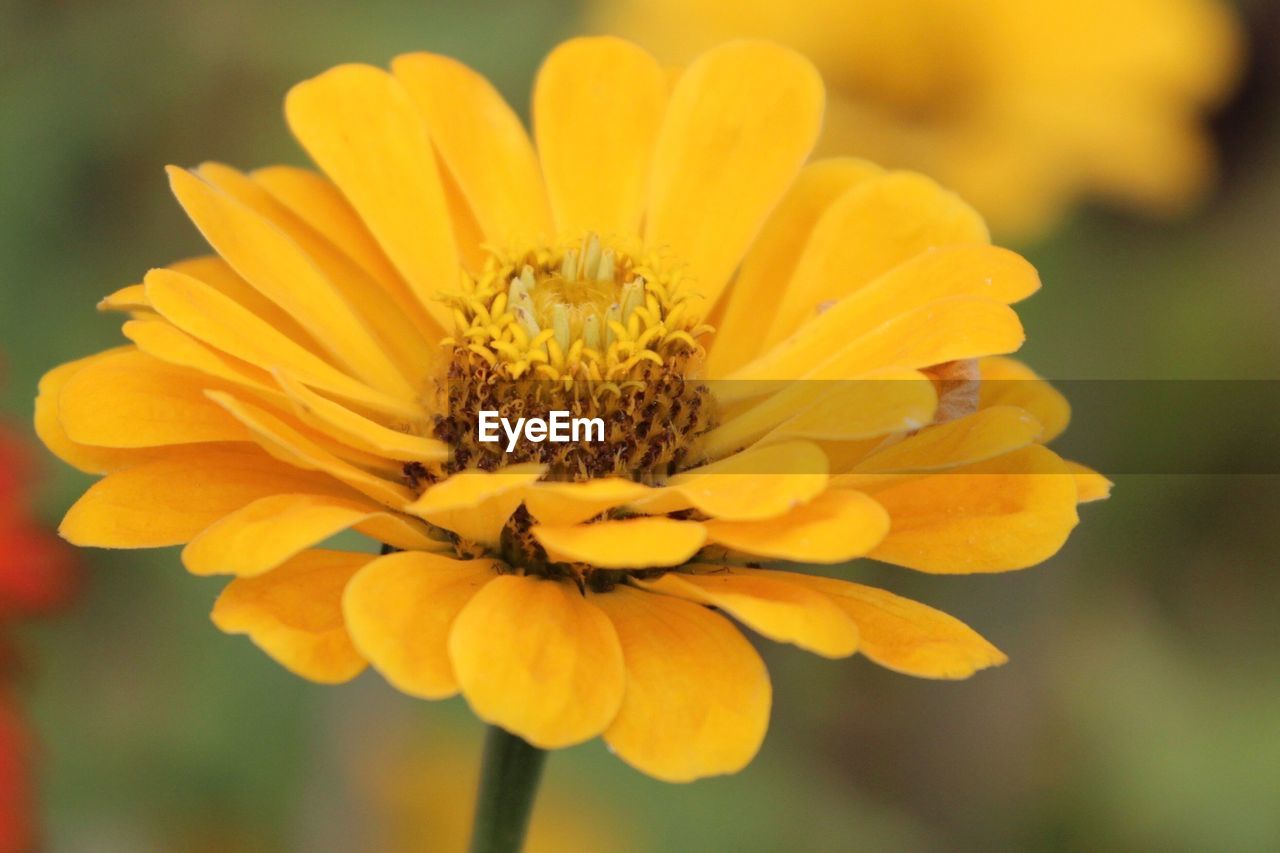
(784, 357)
(1022, 107)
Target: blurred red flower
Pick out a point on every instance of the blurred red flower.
(36, 576)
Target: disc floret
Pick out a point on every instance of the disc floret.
(599, 329)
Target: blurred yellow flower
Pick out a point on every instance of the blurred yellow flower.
(1022, 106)
(421, 797)
(308, 379)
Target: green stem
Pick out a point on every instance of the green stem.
(509, 778)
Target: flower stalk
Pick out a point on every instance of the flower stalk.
(509, 777)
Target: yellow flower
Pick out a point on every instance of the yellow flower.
(307, 379)
(1022, 106)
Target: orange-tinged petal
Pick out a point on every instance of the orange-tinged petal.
(167, 501)
(129, 399)
(741, 121)
(484, 145)
(904, 635)
(1090, 485)
(355, 429)
(759, 287)
(160, 340)
(48, 424)
(476, 504)
(1008, 382)
(262, 535)
(209, 316)
(873, 227)
(1006, 513)
(288, 444)
(697, 694)
(294, 614)
(130, 298)
(399, 610)
(951, 329)
(781, 611)
(368, 303)
(539, 659)
(597, 107)
(966, 270)
(321, 205)
(466, 230)
(633, 543)
(983, 435)
(758, 483)
(279, 268)
(833, 528)
(561, 503)
(884, 402)
(361, 128)
(218, 274)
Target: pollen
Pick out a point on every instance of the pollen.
(597, 329)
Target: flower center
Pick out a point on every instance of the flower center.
(597, 330)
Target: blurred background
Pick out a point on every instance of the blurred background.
(1141, 706)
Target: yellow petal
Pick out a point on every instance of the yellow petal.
(130, 298)
(877, 404)
(538, 659)
(1008, 382)
(288, 444)
(1090, 485)
(1006, 513)
(484, 145)
(162, 341)
(262, 535)
(476, 504)
(952, 329)
(740, 123)
(983, 435)
(697, 696)
(759, 483)
(597, 107)
(561, 503)
(48, 424)
(322, 206)
(633, 543)
(968, 270)
(399, 610)
(284, 273)
(873, 227)
(466, 230)
(833, 528)
(758, 290)
(371, 307)
(356, 430)
(207, 315)
(167, 501)
(218, 274)
(785, 612)
(904, 635)
(360, 127)
(130, 399)
(294, 614)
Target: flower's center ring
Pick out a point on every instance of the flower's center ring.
(597, 330)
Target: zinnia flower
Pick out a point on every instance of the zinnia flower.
(1022, 106)
(324, 371)
(35, 577)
